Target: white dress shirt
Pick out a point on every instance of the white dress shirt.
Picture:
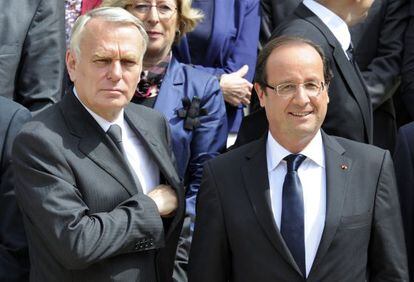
(336, 25)
(313, 179)
(141, 162)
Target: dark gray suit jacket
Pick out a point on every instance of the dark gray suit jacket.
(378, 42)
(84, 217)
(32, 51)
(236, 238)
(349, 112)
(14, 257)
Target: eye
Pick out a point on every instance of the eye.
(142, 8)
(164, 8)
(312, 86)
(128, 63)
(286, 88)
(102, 61)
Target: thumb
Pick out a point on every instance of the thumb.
(242, 71)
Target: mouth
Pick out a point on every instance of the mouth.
(153, 34)
(300, 114)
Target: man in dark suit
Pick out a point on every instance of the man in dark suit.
(326, 24)
(14, 257)
(95, 178)
(379, 45)
(298, 204)
(32, 48)
(404, 171)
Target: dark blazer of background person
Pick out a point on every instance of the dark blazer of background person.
(232, 43)
(407, 81)
(273, 13)
(93, 224)
(32, 48)
(404, 170)
(14, 257)
(378, 44)
(236, 238)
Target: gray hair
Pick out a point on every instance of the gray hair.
(109, 14)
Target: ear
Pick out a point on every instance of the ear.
(71, 64)
(260, 93)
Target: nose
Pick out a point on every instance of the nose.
(301, 98)
(115, 71)
(152, 15)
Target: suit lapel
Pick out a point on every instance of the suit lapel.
(256, 181)
(346, 68)
(338, 168)
(94, 143)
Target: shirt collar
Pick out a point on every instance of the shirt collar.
(335, 24)
(275, 152)
(103, 123)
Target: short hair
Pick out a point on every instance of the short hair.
(261, 72)
(116, 15)
(188, 17)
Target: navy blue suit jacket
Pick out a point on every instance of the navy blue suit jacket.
(232, 44)
(404, 171)
(192, 148)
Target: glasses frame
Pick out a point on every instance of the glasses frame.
(275, 89)
(160, 16)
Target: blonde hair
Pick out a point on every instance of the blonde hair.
(109, 14)
(188, 17)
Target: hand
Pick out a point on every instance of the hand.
(236, 90)
(165, 198)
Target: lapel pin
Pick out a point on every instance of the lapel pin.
(344, 167)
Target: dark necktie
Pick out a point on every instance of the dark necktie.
(115, 133)
(350, 53)
(292, 223)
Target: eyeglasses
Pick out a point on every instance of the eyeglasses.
(312, 88)
(165, 11)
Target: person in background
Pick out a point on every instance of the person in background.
(378, 47)
(225, 45)
(298, 204)
(75, 8)
(32, 52)
(14, 256)
(95, 175)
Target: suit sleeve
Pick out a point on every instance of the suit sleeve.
(53, 208)
(387, 255)
(209, 139)
(14, 257)
(407, 84)
(382, 74)
(244, 49)
(404, 170)
(210, 253)
(40, 77)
